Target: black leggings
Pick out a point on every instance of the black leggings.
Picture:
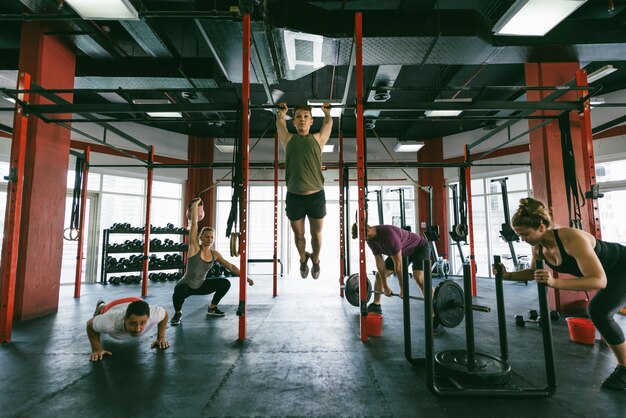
(182, 291)
(604, 305)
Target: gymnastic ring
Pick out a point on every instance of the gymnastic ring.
(68, 234)
(234, 244)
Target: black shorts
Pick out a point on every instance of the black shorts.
(420, 254)
(299, 206)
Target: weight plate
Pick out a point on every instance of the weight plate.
(486, 369)
(448, 303)
(351, 290)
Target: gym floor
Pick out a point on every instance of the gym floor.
(302, 357)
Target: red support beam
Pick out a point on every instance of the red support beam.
(13, 215)
(245, 168)
(50, 60)
(433, 152)
(588, 157)
(103, 149)
(201, 150)
(548, 174)
(81, 225)
(146, 235)
(360, 161)
(275, 281)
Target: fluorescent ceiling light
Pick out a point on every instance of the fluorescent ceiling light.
(442, 113)
(594, 101)
(447, 112)
(104, 9)
(602, 72)
(158, 102)
(165, 114)
(226, 149)
(10, 99)
(335, 112)
(151, 101)
(535, 17)
(328, 148)
(408, 146)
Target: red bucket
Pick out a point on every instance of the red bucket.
(581, 330)
(374, 324)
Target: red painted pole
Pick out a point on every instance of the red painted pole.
(146, 234)
(13, 216)
(342, 217)
(588, 155)
(245, 168)
(81, 225)
(470, 220)
(275, 284)
(360, 159)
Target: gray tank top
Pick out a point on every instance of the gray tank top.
(196, 270)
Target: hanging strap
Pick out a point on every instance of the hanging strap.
(76, 197)
(573, 190)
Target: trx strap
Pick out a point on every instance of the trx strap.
(461, 228)
(573, 190)
(76, 197)
(71, 233)
(236, 183)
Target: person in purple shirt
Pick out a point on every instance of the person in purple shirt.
(395, 243)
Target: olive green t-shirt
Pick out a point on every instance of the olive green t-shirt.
(304, 164)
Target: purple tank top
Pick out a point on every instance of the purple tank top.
(390, 240)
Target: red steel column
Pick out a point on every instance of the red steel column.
(470, 220)
(50, 60)
(342, 217)
(360, 160)
(81, 225)
(201, 150)
(433, 152)
(245, 168)
(588, 158)
(13, 215)
(546, 158)
(146, 234)
(275, 283)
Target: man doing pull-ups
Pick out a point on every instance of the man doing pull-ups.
(305, 182)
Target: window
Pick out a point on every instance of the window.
(127, 185)
(260, 225)
(611, 171)
(611, 176)
(611, 221)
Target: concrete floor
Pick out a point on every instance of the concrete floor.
(302, 357)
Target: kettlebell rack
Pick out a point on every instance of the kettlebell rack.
(173, 260)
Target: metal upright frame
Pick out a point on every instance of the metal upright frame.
(275, 266)
(360, 159)
(13, 215)
(342, 220)
(146, 233)
(245, 169)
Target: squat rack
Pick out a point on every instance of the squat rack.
(85, 111)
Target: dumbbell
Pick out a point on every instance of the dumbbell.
(534, 318)
(521, 322)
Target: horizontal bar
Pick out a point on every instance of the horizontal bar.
(270, 164)
(233, 107)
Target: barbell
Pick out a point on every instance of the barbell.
(448, 303)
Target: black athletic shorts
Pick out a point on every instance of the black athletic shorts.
(299, 206)
(420, 254)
